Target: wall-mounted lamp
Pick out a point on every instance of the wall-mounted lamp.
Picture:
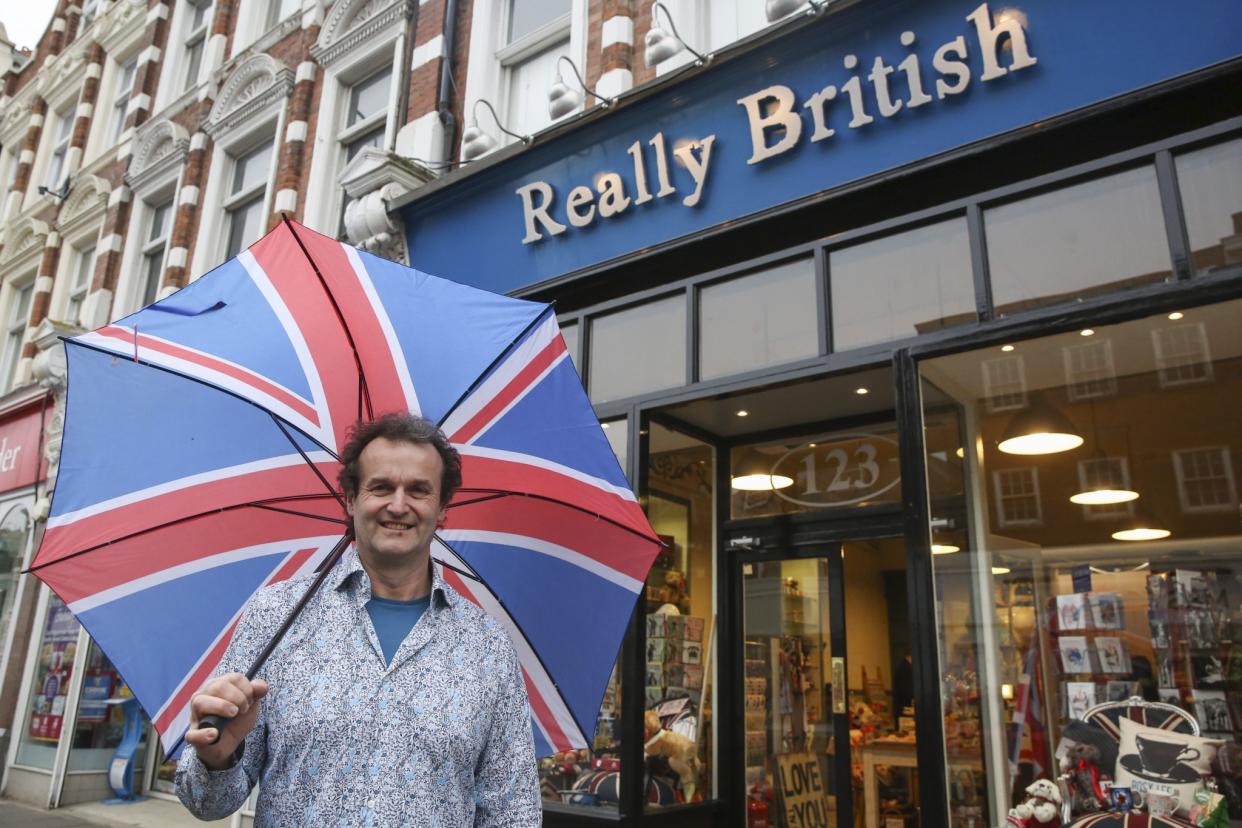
(475, 142)
(662, 45)
(59, 195)
(777, 9)
(562, 100)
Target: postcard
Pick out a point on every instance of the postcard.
(694, 676)
(1191, 589)
(655, 649)
(1106, 610)
(694, 628)
(1158, 621)
(1169, 696)
(1072, 611)
(655, 675)
(1075, 655)
(1081, 697)
(1202, 628)
(655, 625)
(1121, 690)
(1164, 671)
(1207, 671)
(1212, 711)
(1158, 592)
(692, 652)
(1112, 654)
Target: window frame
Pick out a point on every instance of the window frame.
(237, 201)
(121, 95)
(61, 136)
(194, 43)
(16, 329)
(1004, 522)
(1231, 503)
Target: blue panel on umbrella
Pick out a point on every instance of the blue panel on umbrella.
(579, 655)
(245, 330)
(450, 333)
(190, 612)
(554, 421)
(119, 410)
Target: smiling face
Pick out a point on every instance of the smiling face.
(397, 508)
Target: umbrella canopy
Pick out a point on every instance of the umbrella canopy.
(199, 464)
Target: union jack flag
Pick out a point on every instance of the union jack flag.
(199, 459)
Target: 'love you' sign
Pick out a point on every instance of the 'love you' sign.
(800, 783)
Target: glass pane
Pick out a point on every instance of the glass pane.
(373, 139)
(902, 285)
(527, 15)
(251, 169)
(100, 726)
(570, 334)
(160, 214)
(529, 82)
(590, 778)
(638, 349)
(1094, 567)
(193, 59)
(245, 225)
(618, 434)
(852, 469)
(681, 606)
(58, 644)
(1091, 238)
(1211, 185)
(86, 263)
(762, 319)
(370, 97)
(786, 649)
(153, 275)
(14, 531)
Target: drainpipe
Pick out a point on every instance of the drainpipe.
(443, 101)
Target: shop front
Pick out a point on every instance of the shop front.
(916, 328)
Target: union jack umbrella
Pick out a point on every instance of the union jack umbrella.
(200, 454)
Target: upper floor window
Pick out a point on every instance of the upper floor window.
(365, 118)
(60, 147)
(153, 248)
(537, 34)
(83, 268)
(15, 333)
(278, 10)
(120, 103)
(90, 8)
(197, 22)
(244, 203)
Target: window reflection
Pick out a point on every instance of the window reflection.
(901, 285)
(1089, 238)
(1211, 185)
(638, 349)
(1052, 605)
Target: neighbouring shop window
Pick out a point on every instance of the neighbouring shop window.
(14, 531)
(589, 778)
(901, 285)
(679, 727)
(758, 320)
(100, 725)
(1081, 240)
(58, 645)
(1106, 570)
(638, 349)
(1210, 181)
(850, 469)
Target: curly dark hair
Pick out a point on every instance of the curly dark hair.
(401, 428)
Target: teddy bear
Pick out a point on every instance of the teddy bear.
(1041, 808)
(1081, 764)
(680, 752)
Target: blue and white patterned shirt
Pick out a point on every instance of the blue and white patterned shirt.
(439, 737)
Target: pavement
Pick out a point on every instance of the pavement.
(146, 813)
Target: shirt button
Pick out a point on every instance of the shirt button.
(370, 803)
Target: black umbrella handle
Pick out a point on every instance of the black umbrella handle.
(220, 722)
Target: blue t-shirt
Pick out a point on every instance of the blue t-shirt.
(393, 620)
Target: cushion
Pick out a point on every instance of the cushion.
(1129, 820)
(1156, 760)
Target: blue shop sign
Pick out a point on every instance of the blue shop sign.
(869, 89)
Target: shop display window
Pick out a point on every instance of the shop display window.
(589, 778)
(758, 320)
(14, 530)
(1087, 551)
(901, 285)
(100, 725)
(638, 349)
(1085, 239)
(1210, 181)
(53, 669)
(679, 726)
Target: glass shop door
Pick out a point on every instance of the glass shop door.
(827, 719)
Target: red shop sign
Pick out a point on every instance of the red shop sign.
(20, 460)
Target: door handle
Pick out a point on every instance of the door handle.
(838, 684)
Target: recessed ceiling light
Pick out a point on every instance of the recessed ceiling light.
(605, 425)
(861, 391)
(1086, 332)
(760, 482)
(812, 445)
(1001, 570)
(1006, 348)
(743, 413)
(961, 452)
(944, 549)
(1176, 315)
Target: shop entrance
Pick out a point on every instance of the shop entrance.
(824, 674)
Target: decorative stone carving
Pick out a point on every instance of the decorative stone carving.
(25, 240)
(258, 82)
(119, 24)
(55, 80)
(50, 371)
(372, 180)
(160, 149)
(352, 23)
(15, 120)
(85, 206)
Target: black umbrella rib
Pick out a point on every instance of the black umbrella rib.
(522, 632)
(206, 384)
(258, 504)
(309, 462)
(363, 391)
(499, 359)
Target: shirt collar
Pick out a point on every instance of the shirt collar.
(349, 571)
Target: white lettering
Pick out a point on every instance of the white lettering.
(666, 186)
(853, 89)
(879, 79)
(780, 116)
(1009, 23)
(914, 79)
(579, 196)
(956, 68)
(640, 173)
(532, 212)
(612, 197)
(696, 166)
(815, 103)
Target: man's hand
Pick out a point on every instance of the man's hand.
(231, 696)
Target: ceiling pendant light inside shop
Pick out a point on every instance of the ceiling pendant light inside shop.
(754, 474)
(1141, 527)
(1040, 429)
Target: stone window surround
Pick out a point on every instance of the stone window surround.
(81, 224)
(19, 268)
(487, 78)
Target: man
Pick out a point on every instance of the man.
(392, 700)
